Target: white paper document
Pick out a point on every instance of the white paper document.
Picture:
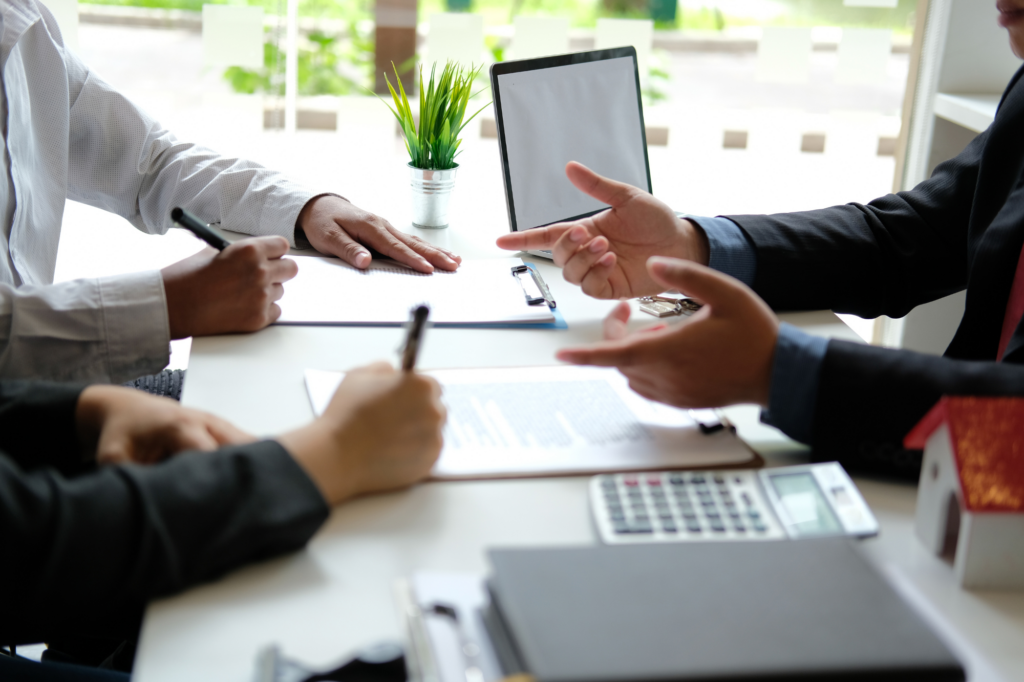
(542, 421)
(329, 291)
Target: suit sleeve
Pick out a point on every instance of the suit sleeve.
(882, 258)
(87, 553)
(37, 425)
(870, 397)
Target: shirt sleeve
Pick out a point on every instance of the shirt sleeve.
(125, 162)
(110, 329)
(730, 249)
(796, 373)
(87, 553)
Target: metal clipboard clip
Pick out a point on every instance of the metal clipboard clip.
(665, 306)
(534, 288)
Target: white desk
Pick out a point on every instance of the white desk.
(335, 596)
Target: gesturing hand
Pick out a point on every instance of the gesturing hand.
(722, 355)
(607, 253)
(339, 228)
(126, 425)
(229, 291)
(381, 430)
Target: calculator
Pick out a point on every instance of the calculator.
(769, 504)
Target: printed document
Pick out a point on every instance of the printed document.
(330, 291)
(535, 421)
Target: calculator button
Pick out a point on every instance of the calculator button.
(718, 527)
(676, 479)
(652, 481)
(642, 518)
(713, 514)
(608, 484)
(693, 527)
(740, 528)
(753, 513)
(630, 481)
(746, 499)
(697, 479)
(617, 516)
(668, 528)
(719, 479)
(760, 527)
(620, 527)
(734, 515)
(642, 528)
(708, 503)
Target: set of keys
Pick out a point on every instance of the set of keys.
(664, 306)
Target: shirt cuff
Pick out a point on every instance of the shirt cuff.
(281, 211)
(137, 330)
(730, 249)
(796, 371)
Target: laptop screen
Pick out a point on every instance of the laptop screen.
(552, 112)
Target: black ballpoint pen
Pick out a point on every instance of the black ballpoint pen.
(199, 228)
(414, 336)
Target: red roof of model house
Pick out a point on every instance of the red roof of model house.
(987, 437)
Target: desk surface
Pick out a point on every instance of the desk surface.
(336, 596)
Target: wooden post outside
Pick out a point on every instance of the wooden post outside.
(395, 42)
(910, 93)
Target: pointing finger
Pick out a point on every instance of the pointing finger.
(537, 238)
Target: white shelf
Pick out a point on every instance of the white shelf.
(974, 112)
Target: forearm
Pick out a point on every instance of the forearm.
(885, 257)
(90, 552)
(37, 425)
(110, 329)
(123, 161)
(870, 397)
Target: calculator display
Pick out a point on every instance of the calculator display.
(804, 503)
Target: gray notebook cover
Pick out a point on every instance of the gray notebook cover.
(811, 609)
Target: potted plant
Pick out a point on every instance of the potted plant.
(432, 139)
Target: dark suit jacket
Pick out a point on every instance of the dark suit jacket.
(962, 228)
(82, 549)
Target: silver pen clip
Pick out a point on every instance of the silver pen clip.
(534, 288)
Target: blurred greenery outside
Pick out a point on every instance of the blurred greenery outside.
(343, 64)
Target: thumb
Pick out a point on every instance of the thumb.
(615, 325)
(702, 283)
(606, 191)
(272, 247)
(110, 451)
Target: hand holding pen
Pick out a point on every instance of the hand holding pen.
(232, 289)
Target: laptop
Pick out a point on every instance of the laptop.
(581, 107)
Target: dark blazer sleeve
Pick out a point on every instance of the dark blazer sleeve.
(882, 258)
(85, 554)
(870, 397)
(37, 425)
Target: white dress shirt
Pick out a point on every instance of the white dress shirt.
(68, 134)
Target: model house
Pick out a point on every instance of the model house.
(970, 501)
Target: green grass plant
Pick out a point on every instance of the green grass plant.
(433, 140)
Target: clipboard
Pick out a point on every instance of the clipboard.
(481, 294)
